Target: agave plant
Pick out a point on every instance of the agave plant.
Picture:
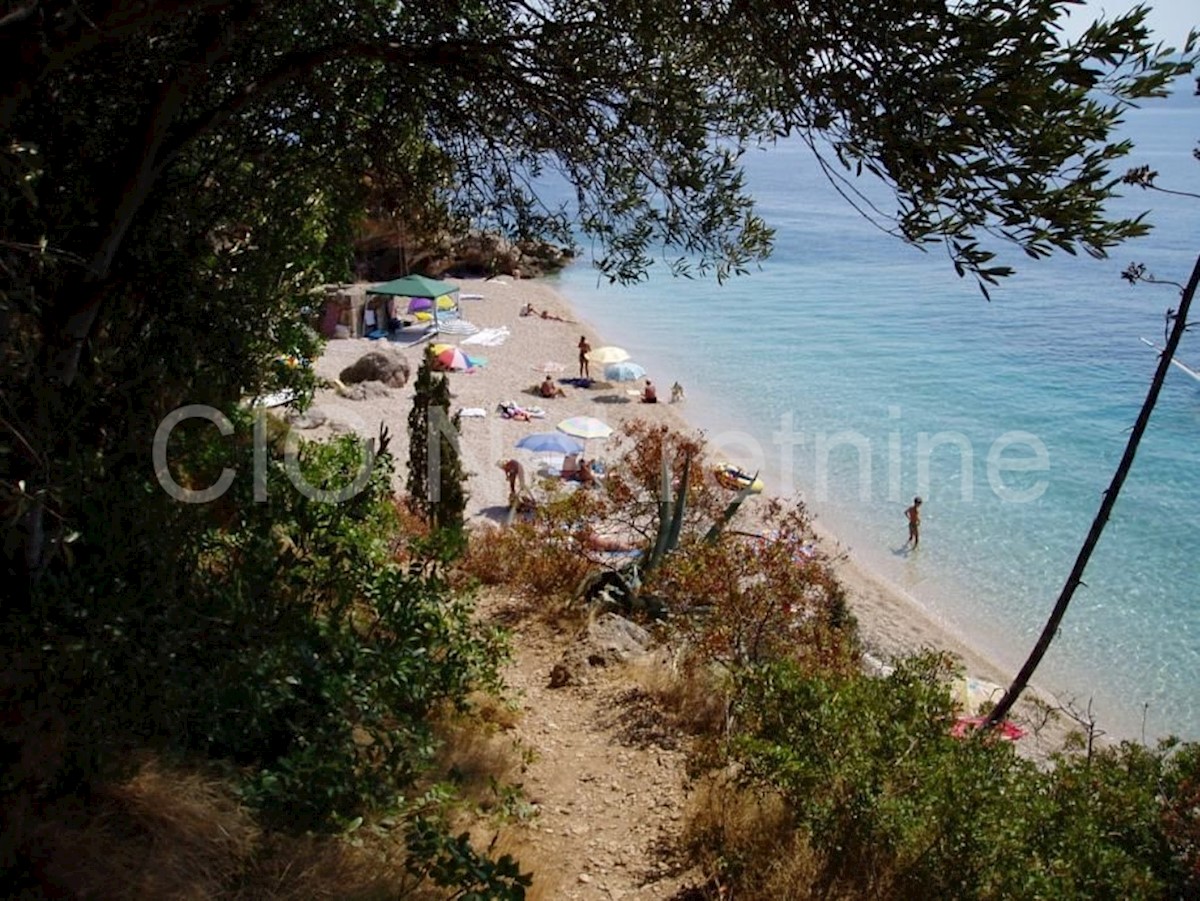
(622, 588)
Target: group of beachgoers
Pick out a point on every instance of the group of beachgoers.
(575, 468)
(581, 471)
(529, 310)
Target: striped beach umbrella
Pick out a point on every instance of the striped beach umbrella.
(453, 358)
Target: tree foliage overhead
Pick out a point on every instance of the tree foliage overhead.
(979, 115)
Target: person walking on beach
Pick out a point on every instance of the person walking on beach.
(585, 371)
(913, 514)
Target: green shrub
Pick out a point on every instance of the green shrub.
(279, 635)
(892, 806)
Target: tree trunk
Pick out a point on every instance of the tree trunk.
(1075, 579)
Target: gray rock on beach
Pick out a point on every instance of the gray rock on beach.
(388, 367)
(362, 391)
(312, 418)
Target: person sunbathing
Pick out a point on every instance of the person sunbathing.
(594, 541)
(528, 310)
(511, 411)
(649, 393)
(549, 389)
(546, 314)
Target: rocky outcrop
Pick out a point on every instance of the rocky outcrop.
(607, 640)
(472, 255)
(388, 367)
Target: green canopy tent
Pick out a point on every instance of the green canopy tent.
(418, 286)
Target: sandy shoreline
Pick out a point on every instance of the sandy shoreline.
(891, 622)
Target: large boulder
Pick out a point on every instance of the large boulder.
(388, 367)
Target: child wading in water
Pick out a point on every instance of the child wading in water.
(914, 522)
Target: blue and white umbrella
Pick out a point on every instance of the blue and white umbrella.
(625, 371)
(551, 443)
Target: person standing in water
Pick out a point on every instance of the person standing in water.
(913, 515)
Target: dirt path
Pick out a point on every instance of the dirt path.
(607, 778)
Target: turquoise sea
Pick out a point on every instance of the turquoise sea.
(857, 372)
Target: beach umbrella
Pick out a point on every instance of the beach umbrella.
(457, 327)
(604, 355)
(625, 371)
(585, 427)
(415, 286)
(419, 287)
(549, 367)
(965, 725)
(551, 443)
(453, 358)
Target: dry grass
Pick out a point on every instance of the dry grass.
(176, 835)
(691, 695)
(491, 710)
(160, 834)
(512, 840)
(747, 844)
(478, 758)
(304, 868)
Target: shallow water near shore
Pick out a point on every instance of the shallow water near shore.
(856, 372)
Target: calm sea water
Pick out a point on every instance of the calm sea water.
(857, 372)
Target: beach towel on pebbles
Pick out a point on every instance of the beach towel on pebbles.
(488, 337)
